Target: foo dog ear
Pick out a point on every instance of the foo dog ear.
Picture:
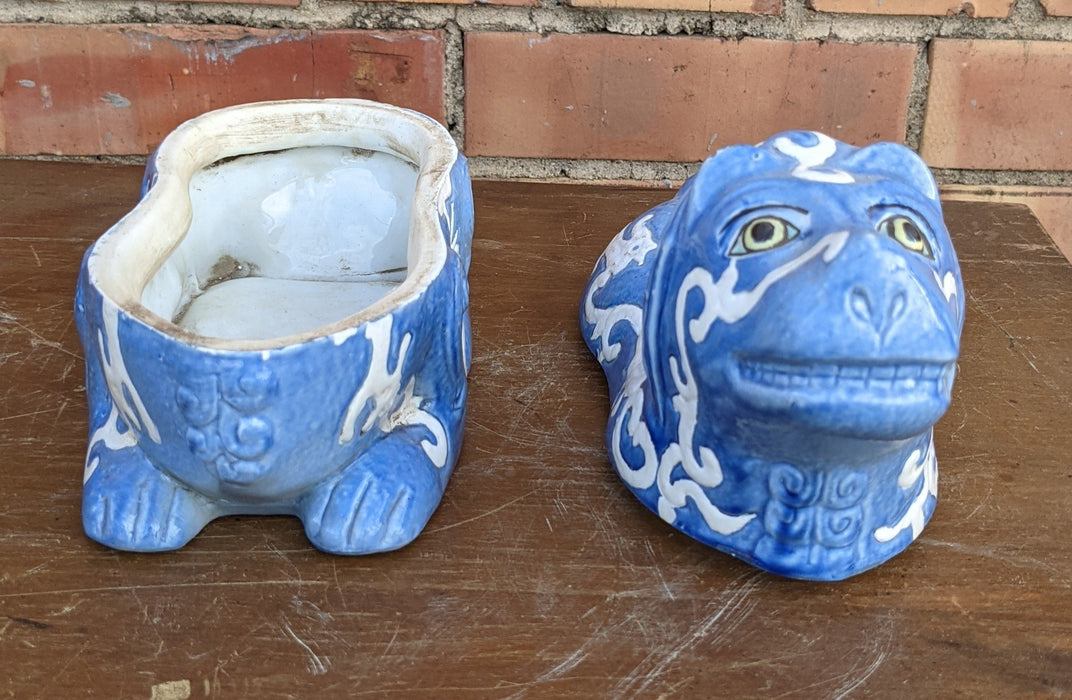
(895, 162)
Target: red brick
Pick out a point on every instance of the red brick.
(1057, 8)
(999, 105)
(763, 7)
(674, 98)
(458, 2)
(971, 8)
(119, 89)
(443, 2)
(290, 3)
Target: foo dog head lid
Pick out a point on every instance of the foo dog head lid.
(778, 341)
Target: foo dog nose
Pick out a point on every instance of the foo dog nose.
(877, 309)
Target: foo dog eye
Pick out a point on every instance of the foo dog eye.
(763, 233)
(906, 232)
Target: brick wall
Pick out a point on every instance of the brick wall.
(589, 89)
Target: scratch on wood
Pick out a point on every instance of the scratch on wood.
(658, 570)
(160, 586)
(853, 681)
(215, 686)
(32, 571)
(561, 668)
(335, 576)
(555, 672)
(33, 413)
(317, 665)
(391, 643)
(1014, 558)
(310, 610)
(286, 560)
(38, 339)
(67, 664)
(151, 620)
(881, 637)
(982, 504)
(566, 665)
(737, 605)
(1020, 350)
(509, 503)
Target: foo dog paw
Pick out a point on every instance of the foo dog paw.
(128, 504)
(380, 502)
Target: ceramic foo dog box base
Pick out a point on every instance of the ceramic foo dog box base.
(280, 326)
(779, 340)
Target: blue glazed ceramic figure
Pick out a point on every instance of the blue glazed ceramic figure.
(281, 326)
(778, 341)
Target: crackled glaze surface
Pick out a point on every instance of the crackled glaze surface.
(331, 386)
(778, 340)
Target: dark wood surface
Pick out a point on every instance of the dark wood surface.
(539, 575)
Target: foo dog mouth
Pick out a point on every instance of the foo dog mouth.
(882, 379)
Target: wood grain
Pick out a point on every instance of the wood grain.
(539, 576)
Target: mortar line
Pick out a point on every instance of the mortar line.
(917, 96)
(796, 22)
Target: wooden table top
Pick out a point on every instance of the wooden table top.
(539, 575)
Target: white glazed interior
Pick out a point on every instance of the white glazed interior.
(273, 223)
(285, 242)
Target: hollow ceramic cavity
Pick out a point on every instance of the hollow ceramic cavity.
(295, 257)
(281, 326)
(778, 340)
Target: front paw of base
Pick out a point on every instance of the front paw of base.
(128, 504)
(379, 503)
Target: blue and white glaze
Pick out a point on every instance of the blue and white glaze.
(354, 427)
(778, 341)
